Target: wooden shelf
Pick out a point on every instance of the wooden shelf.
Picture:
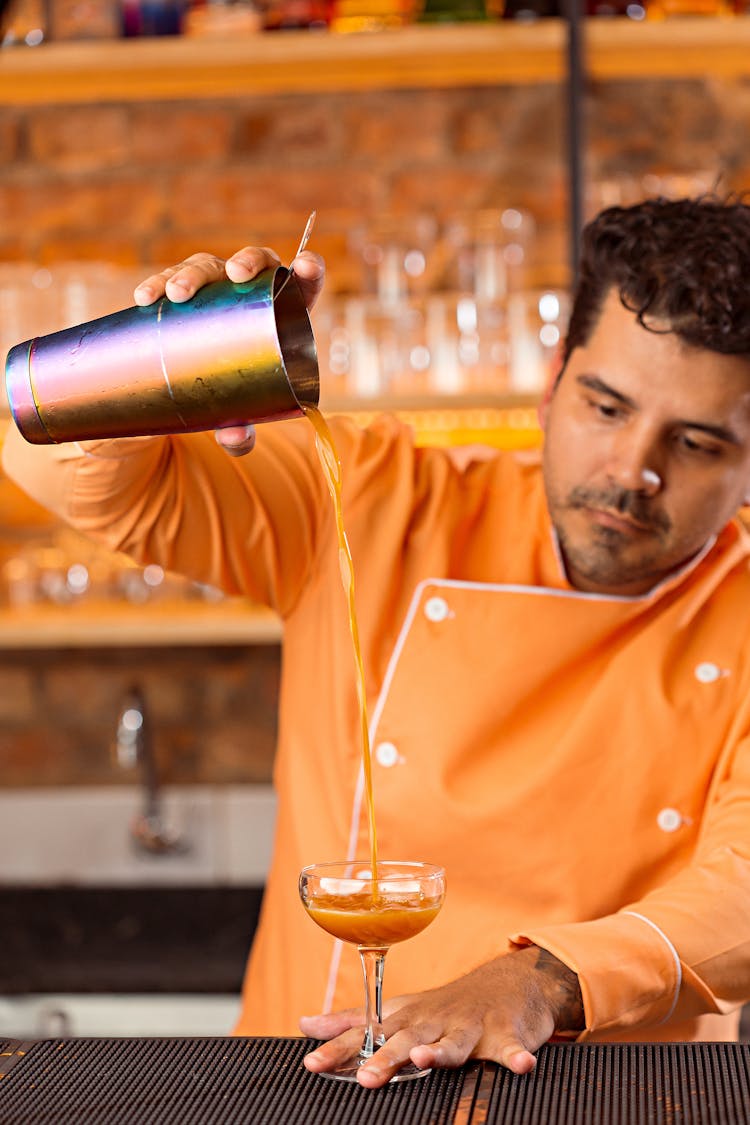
(404, 403)
(413, 57)
(90, 626)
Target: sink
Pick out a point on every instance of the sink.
(84, 911)
(82, 835)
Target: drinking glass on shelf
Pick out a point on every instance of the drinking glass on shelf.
(372, 912)
(537, 322)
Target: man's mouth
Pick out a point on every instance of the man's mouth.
(619, 510)
(618, 521)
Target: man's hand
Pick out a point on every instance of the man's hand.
(502, 1011)
(181, 282)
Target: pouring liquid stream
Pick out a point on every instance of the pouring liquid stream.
(331, 465)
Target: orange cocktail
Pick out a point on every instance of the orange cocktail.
(377, 923)
(373, 913)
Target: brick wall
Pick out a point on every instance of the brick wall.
(142, 185)
(212, 710)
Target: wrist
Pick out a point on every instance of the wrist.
(559, 988)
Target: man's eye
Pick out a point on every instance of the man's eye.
(699, 447)
(606, 409)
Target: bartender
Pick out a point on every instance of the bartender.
(556, 657)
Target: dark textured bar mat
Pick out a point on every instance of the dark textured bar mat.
(233, 1081)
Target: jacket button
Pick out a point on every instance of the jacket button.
(436, 609)
(669, 820)
(707, 673)
(386, 755)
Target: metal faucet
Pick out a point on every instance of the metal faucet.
(135, 750)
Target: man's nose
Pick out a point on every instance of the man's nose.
(634, 465)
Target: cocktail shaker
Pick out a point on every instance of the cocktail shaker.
(234, 353)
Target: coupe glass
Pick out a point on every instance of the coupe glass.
(373, 913)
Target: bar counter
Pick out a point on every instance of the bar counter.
(236, 1081)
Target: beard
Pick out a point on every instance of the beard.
(606, 557)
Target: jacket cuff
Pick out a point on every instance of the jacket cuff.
(628, 969)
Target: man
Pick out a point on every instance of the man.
(556, 659)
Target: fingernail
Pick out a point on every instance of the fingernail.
(248, 264)
(144, 291)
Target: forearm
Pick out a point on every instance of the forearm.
(53, 475)
(559, 987)
(244, 525)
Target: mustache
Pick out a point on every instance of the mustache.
(622, 501)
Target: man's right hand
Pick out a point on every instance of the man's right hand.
(181, 282)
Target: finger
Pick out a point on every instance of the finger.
(516, 1057)
(387, 1060)
(335, 1053)
(189, 276)
(236, 440)
(246, 263)
(450, 1050)
(329, 1024)
(310, 271)
(181, 281)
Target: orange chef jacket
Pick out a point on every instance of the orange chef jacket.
(578, 762)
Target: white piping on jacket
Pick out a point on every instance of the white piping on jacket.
(672, 950)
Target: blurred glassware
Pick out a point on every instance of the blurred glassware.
(487, 251)
(24, 23)
(19, 582)
(675, 184)
(629, 188)
(615, 191)
(65, 569)
(468, 345)
(398, 255)
(537, 321)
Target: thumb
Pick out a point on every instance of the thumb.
(236, 440)
(519, 1060)
(515, 1057)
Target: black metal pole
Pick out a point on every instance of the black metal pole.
(575, 138)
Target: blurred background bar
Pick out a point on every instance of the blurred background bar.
(452, 149)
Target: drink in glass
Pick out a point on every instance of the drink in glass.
(373, 913)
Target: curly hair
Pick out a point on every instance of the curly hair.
(681, 265)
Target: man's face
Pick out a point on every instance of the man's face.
(646, 455)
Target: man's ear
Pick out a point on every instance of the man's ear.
(556, 369)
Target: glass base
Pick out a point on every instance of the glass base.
(348, 1071)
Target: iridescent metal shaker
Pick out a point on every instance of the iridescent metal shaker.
(234, 353)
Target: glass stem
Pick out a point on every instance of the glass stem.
(373, 965)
